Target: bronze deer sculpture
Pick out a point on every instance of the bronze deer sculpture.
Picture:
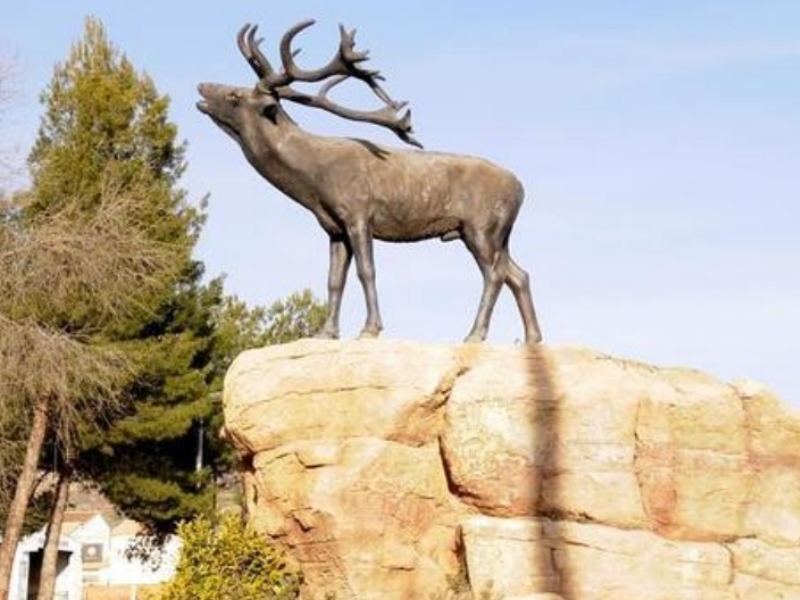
(359, 191)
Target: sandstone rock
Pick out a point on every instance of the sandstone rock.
(692, 458)
(509, 556)
(312, 390)
(544, 596)
(384, 467)
(774, 452)
(585, 561)
(748, 587)
(597, 562)
(533, 429)
(758, 559)
(376, 518)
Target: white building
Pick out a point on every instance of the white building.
(91, 553)
(124, 569)
(93, 532)
(28, 563)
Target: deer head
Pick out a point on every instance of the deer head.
(235, 109)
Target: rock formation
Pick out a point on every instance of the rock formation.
(390, 469)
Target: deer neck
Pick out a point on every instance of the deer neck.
(284, 154)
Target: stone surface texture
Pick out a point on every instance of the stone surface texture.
(393, 470)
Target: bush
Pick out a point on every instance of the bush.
(229, 561)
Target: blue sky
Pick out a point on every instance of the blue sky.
(659, 144)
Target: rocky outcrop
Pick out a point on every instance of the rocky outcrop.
(389, 469)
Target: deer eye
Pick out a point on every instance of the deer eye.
(234, 98)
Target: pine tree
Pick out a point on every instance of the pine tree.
(100, 114)
(147, 462)
(104, 118)
(159, 456)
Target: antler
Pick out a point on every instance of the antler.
(343, 65)
(248, 46)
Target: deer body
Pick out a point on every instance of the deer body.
(360, 191)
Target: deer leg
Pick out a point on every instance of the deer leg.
(361, 243)
(518, 281)
(340, 255)
(493, 264)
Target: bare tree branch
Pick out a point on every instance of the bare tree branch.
(80, 379)
(79, 270)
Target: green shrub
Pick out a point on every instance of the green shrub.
(229, 561)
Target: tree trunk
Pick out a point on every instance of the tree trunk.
(47, 576)
(22, 494)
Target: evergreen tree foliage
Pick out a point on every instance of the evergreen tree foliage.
(100, 113)
(298, 315)
(158, 462)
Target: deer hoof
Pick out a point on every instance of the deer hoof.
(474, 338)
(327, 334)
(369, 333)
(533, 339)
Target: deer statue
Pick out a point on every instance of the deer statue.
(360, 191)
